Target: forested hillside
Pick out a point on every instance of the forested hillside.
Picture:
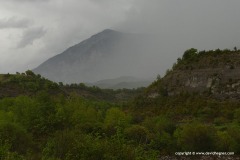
(40, 119)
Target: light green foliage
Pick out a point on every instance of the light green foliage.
(159, 124)
(6, 116)
(229, 139)
(116, 117)
(42, 120)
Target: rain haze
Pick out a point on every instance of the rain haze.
(32, 31)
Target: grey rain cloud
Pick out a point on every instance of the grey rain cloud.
(178, 24)
(14, 22)
(20, 1)
(30, 35)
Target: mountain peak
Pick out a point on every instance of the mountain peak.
(103, 55)
(108, 31)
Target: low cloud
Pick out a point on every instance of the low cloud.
(178, 25)
(27, 1)
(14, 22)
(30, 35)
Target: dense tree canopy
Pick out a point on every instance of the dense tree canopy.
(49, 121)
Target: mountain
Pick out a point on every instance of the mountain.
(77, 62)
(127, 82)
(106, 55)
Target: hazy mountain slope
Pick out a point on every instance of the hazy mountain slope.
(74, 64)
(122, 82)
(106, 55)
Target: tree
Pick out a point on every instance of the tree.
(116, 118)
(235, 48)
(137, 133)
(14, 136)
(60, 84)
(190, 53)
(29, 73)
(158, 77)
(196, 137)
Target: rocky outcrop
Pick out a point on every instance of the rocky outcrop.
(213, 73)
(220, 82)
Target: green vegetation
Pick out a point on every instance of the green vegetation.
(40, 119)
(194, 59)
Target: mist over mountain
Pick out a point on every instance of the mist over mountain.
(122, 82)
(107, 55)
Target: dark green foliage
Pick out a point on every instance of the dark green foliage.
(165, 143)
(137, 133)
(43, 120)
(14, 138)
(196, 137)
(159, 124)
(71, 145)
(233, 132)
(30, 73)
(193, 59)
(189, 54)
(76, 128)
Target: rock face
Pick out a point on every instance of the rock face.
(203, 75)
(218, 81)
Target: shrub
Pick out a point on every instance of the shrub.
(159, 124)
(15, 137)
(196, 137)
(137, 133)
(116, 118)
(224, 142)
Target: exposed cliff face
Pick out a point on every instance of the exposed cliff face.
(210, 73)
(218, 81)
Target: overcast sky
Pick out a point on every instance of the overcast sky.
(32, 31)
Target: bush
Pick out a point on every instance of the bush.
(234, 131)
(164, 143)
(137, 133)
(196, 137)
(15, 137)
(189, 54)
(116, 118)
(70, 145)
(237, 115)
(224, 142)
(159, 124)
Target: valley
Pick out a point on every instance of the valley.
(182, 111)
